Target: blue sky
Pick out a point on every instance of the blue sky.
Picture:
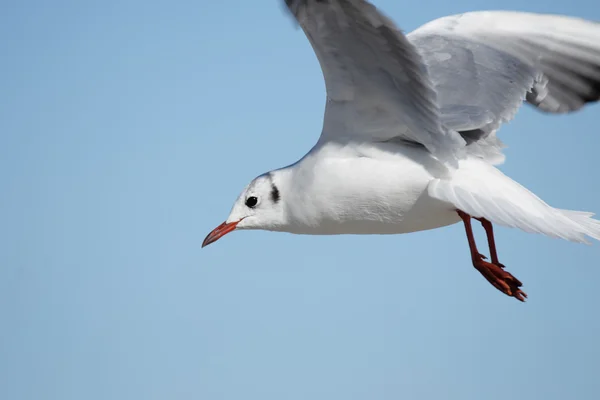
(128, 128)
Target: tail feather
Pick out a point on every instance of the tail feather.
(481, 190)
(588, 225)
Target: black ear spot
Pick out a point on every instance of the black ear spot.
(275, 194)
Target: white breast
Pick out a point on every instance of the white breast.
(358, 189)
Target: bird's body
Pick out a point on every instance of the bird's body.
(356, 189)
(409, 134)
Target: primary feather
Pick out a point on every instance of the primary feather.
(485, 64)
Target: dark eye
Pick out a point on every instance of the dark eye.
(251, 201)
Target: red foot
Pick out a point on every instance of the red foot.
(500, 279)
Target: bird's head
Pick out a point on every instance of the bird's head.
(259, 206)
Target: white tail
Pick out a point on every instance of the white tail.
(589, 225)
(481, 190)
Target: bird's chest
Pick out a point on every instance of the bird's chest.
(371, 196)
(399, 206)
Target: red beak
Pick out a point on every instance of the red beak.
(219, 232)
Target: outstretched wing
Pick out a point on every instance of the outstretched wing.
(485, 64)
(378, 88)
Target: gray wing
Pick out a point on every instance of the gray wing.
(378, 88)
(485, 64)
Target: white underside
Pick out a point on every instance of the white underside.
(423, 213)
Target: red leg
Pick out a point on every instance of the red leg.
(489, 231)
(494, 273)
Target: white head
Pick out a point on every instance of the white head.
(259, 206)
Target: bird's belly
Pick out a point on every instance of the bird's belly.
(384, 195)
(423, 213)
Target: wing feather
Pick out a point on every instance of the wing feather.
(495, 60)
(378, 87)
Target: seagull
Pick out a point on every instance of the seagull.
(409, 133)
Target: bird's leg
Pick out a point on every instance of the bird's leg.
(489, 231)
(494, 273)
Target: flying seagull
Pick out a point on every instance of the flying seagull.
(409, 133)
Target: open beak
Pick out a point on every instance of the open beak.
(219, 232)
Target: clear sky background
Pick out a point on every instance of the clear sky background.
(127, 130)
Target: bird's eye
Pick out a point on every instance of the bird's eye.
(251, 201)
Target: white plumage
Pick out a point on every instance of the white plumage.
(481, 190)
(409, 134)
